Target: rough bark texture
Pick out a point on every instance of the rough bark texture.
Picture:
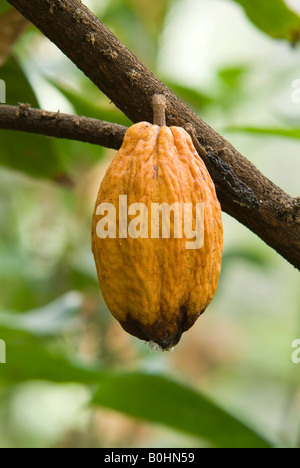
(243, 191)
(55, 124)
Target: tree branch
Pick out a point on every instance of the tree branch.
(55, 124)
(243, 191)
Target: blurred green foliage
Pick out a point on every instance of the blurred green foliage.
(230, 382)
(33, 156)
(4, 7)
(161, 400)
(280, 132)
(273, 17)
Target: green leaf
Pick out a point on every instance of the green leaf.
(280, 132)
(78, 157)
(32, 154)
(151, 14)
(52, 319)
(29, 360)
(191, 96)
(86, 107)
(132, 19)
(273, 17)
(252, 254)
(4, 6)
(232, 76)
(18, 88)
(157, 399)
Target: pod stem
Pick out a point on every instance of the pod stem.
(159, 109)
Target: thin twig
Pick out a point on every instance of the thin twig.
(55, 124)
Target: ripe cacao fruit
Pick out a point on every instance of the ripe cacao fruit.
(157, 287)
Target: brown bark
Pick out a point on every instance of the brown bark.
(55, 124)
(243, 191)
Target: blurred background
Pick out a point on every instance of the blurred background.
(73, 377)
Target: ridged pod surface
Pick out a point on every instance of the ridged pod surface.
(156, 287)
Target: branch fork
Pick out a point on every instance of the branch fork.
(244, 192)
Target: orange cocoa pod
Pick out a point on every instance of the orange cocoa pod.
(156, 283)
